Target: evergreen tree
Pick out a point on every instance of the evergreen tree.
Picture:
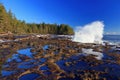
(8, 22)
(4, 20)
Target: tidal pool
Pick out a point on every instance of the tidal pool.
(111, 69)
(43, 60)
(26, 52)
(45, 47)
(7, 73)
(14, 57)
(21, 64)
(47, 72)
(30, 76)
(44, 68)
(27, 64)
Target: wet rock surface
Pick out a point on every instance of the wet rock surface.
(58, 59)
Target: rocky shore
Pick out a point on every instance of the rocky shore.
(57, 58)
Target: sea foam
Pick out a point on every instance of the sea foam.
(90, 33)
(98, 55)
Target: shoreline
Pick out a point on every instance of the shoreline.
(59, 49)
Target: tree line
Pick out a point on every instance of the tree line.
(9, 23)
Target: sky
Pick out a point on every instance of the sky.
(72, 12)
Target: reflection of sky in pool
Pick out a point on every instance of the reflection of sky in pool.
(45, 47)
(30, 76)
(7, 73)
(43, 60)
(75, 64)
(79, 65)
(27, 64)
(47, 72)
(26, 52)
(44, 68)
(14, 57)
(5, 65)
(112, 68)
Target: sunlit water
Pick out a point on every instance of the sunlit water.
(112, 38)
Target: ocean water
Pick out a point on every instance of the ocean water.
(112, 38)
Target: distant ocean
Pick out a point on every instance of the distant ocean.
(112, 38)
